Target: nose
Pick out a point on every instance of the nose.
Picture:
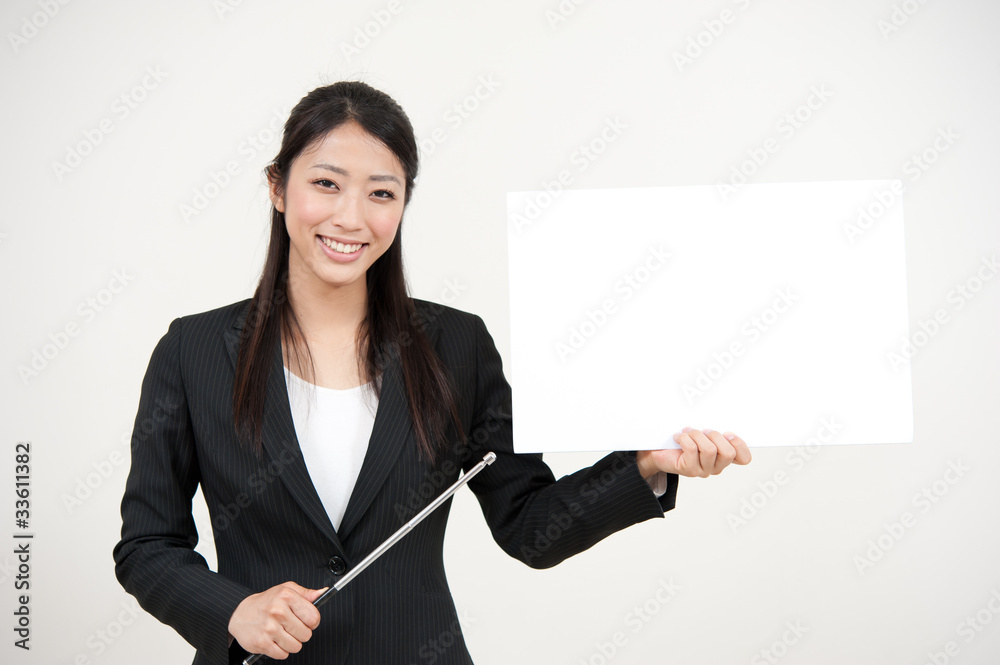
(348, 212)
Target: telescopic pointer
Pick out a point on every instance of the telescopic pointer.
(488, 459)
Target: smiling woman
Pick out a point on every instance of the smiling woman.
(343, 176)
(340, 221)
(319, 415)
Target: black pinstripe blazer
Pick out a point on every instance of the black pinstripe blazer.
(269, 524)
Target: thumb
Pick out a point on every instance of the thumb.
(308, 594)
(668, 459)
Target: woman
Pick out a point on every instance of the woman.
(378, 403)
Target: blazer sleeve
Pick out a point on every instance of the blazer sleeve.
(532, 516)
(155, 560)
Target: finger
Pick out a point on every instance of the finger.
(272, 650)
(275, 642)
(296, 587)
(666, 459)
(725, 454)
(689, 463)
(286, 643)
(297, 630)
(305, 612)
(707, 452)
(742, 449)
(309, 595)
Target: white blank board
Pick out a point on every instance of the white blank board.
(773, 313)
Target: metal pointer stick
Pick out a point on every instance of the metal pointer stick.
(488, 459)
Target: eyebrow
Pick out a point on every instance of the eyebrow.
(373, 178)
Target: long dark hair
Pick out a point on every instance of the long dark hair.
(391, 329)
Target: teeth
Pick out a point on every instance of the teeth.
(340, 247)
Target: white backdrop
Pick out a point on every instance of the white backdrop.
(122, 119)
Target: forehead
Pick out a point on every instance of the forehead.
(349, 144)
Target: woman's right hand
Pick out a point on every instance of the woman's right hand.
(277, 621)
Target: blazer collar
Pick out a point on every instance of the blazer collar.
(391, 431)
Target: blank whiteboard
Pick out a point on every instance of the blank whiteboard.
(774, 312)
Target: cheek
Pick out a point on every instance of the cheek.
(385, 225)
(304, 210)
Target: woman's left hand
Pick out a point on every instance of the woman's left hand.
(703, 453)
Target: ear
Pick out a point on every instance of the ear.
(273, 190)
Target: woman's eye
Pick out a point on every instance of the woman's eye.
(325, 183)
(384, 194)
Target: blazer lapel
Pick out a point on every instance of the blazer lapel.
(391, 430)
(280, 441)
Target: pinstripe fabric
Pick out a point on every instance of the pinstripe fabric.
(269, 525)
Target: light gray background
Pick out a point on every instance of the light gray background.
(227, 76)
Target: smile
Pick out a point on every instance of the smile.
(341, 247)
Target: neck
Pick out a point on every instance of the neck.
(325, 311)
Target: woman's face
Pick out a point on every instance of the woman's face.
(343, 200)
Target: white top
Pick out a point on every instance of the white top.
(333, 428)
